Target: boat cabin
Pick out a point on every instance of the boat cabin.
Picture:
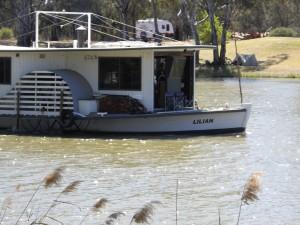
(44, 80)
(161, 78)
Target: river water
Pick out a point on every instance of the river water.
(131, 171)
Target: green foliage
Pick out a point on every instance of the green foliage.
(283, 32)
(6, 33)
(204, 29)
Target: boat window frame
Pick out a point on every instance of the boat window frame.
(6, 70)
(100, 76)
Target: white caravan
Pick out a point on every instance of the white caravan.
(145, 29)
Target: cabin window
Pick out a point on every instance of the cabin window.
(5, 70)
(163, 27)
(120, 73)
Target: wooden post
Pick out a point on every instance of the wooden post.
(18, 110)
(61, 106)
(176, 203)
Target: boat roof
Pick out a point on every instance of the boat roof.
(167, 43)
(108, 48)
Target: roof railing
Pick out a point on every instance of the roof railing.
(37, 24)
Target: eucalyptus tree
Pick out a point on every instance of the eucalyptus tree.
(210, 6)
(189, 9)
(123, 7)
(23, 11)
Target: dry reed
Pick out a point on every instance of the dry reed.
(111, 219)
(250, 192)
(6, 205)
(144, 215)
(100, 204)
(70, 188)
(252, 188)
(51, 179)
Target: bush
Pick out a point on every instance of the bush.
(6, 33)
(283, 32)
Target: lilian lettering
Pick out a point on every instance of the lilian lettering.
(203, 121)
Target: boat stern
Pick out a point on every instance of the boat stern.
(247, 107)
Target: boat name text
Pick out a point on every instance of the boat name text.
(91, 57)
(203, 121)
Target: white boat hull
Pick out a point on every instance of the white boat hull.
(215, 121)
(193, 121)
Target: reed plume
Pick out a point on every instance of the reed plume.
(18, 187)
(116, 215)
(70, 188)
(111, 219)
(144, 215)
(100, 204)
(51, 179)
(6, 205)
(250, 192)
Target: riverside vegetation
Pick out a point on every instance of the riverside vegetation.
(142, 216)
(277, 58)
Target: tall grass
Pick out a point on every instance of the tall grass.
(143, 215)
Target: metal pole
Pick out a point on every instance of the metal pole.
(194, 80)
(239, 71)
(18, 110)
(240, 85)
(37, 29)
(89, 29)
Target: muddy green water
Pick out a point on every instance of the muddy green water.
(130, 171)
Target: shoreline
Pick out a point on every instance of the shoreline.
(255, 76)
(230, 71)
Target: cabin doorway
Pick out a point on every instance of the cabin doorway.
(162, 67)
(173, 81)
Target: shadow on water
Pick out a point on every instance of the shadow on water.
(120, 136)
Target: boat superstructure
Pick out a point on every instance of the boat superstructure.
(88, 86)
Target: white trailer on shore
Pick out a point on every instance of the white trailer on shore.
(146, 28)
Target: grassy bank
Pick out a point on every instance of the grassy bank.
(278, 57)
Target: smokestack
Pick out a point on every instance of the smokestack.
(81, 36)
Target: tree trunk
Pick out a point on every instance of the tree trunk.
(214, 35)
(24, 22)
(54, 29)
(154, 13)
(194, 30)
(123, 6)
(226, 24)
(125, 28)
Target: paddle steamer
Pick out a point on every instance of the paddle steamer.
(88, 85)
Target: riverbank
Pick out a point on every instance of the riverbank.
(278, 57)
